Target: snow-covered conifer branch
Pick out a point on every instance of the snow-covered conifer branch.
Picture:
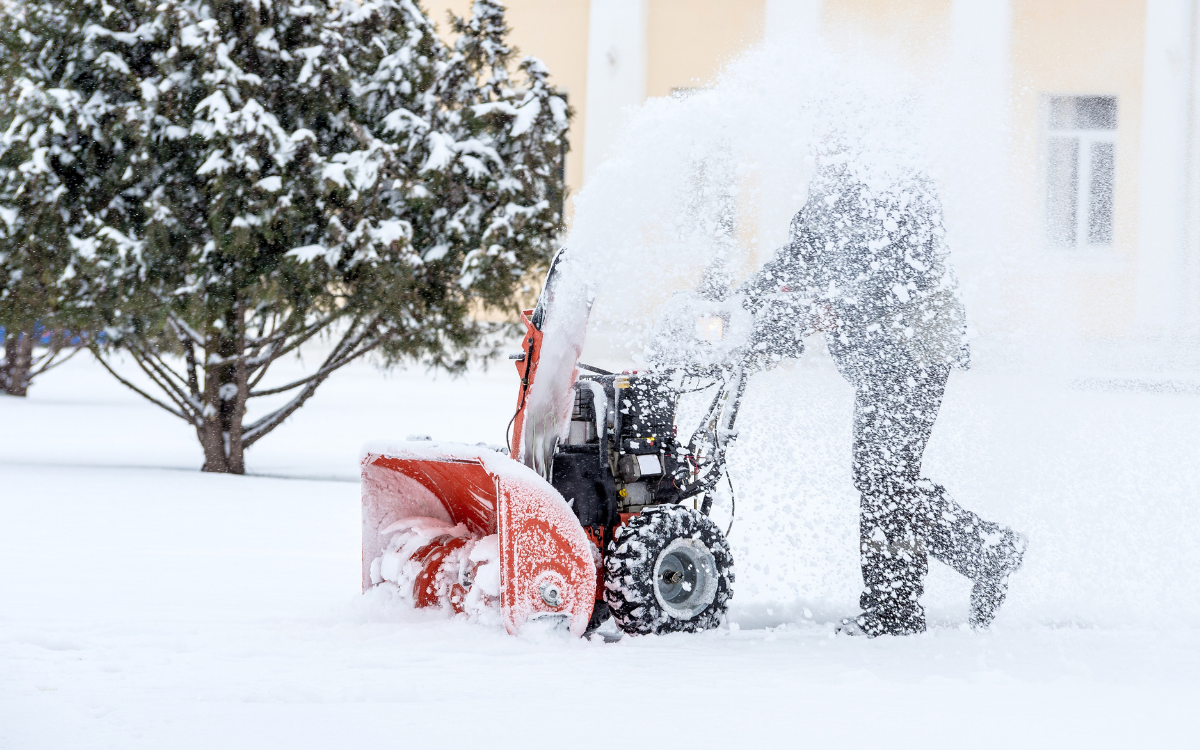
(307, 168)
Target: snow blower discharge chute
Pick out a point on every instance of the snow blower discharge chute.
(602, 508)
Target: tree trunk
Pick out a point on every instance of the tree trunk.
(213, 443)
(225, 392)
(18, 359)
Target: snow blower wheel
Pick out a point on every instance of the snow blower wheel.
(668, 570)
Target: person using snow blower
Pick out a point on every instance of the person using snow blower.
(867, 264)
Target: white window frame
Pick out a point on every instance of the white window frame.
(1083, 179)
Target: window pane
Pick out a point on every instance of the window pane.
(1100, 210)
(1083, 113)
(1062, 178)
(1062, 113)
(1096, 112)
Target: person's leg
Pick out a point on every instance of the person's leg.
(903, 517)
(954, 535)
(983, 551)
(895, 406)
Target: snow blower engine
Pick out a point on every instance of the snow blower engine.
(601, 506)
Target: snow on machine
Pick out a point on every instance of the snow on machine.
(602, 508)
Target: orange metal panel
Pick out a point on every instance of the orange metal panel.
(546, 563)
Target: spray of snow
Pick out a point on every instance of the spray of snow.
(699, 192)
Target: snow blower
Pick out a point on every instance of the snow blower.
(602, 509)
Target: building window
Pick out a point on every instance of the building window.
(1081, 151)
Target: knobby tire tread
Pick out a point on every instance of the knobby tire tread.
(629, 570)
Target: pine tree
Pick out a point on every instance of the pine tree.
(309, 170)
(62, 151)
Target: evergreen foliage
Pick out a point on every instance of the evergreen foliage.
(254, 176)
(59, 149)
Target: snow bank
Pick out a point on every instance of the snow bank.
(218, 611)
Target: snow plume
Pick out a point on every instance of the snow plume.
(699, 192)
(703, 185)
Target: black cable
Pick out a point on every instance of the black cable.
(508, 432)
(728, 480)
(521, 403)
(725, 469)
(732, 499)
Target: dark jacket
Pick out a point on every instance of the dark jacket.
(873, 248)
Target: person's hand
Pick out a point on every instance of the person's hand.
(823, 317)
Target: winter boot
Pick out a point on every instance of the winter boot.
(990, 589)
(871, 624)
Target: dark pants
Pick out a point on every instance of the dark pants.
(904, 518)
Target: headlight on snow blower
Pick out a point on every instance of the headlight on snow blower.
(710, 328)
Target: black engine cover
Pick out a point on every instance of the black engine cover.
(646, 403)
(578, 476)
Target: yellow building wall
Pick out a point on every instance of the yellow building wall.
(555, 32)
(1077, 47)
(688, 41)
(917, 29)
(1057, 47)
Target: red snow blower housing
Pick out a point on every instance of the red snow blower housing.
(602, 509)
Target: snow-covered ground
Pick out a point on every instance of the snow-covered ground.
(143, 604)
